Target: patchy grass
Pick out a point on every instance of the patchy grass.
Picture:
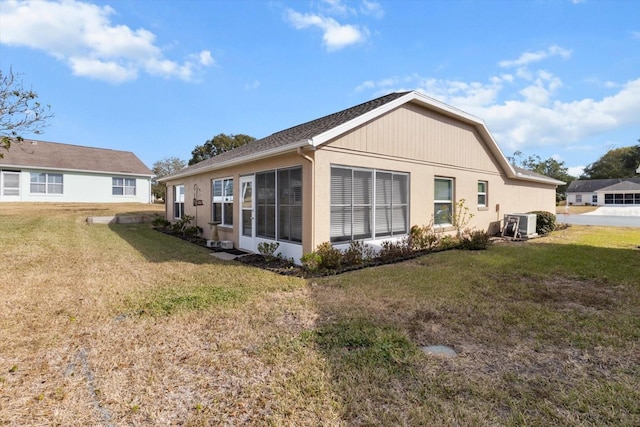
(122, 325)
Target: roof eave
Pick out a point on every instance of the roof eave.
(239, 160)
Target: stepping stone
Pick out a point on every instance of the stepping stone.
(439, 350)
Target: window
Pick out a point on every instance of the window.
(594, 198)
(178, 201)
(46, 183)
(443, 203)
(123, 186)
(367, 203)
(279, 205)
(222, 190)
(482, 194)
(578, 198)
(10, 183)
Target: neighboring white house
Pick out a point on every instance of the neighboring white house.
(604, 192)
(39, 171)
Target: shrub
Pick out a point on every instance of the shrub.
(192, 231)
(158, 221)
(448, 242)
(358, 253)
(330, 257)
(311, 262)
(267, 250)
(545, 222)
(474, 240)
(394, 250)
(422, 237)
(181, 225)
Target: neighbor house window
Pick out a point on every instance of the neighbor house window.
(10, 183)
(123, 186)
(578, 198)
(279, 205)
(594, 199)
(222, 190)
(368, 204)
(443, 203)
(178, 201)
(482, 194)
(46, 183)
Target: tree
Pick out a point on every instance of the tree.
(218, 145)
(20, 111)
(615, 163)
(162, 168)
(550, 167)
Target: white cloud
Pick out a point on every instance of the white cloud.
(576, 170)
(529, 57)
(372, 8)
(335, 35)
(635, 34)
(83, 36)
(253, 85)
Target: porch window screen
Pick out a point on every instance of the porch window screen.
(10, 184)
(361, 198)
(279, 205)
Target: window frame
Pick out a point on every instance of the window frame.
(178, 201)
(126, 189)
(578, 198)
(449, 202)
(10, 191)
(353, 204)
(48, 184)
(224, 214)
(484, 194)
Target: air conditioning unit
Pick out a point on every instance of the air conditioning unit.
(526, 225)
(228, 244)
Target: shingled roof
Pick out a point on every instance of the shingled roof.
(294, 136)
(57, 156)
(593, 185)
(317, 132)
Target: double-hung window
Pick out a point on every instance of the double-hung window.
(222, 190)
(10, 183)
(368, 203)
(482, 194)
(178, 201)
(123, 186)
(46, 183)
(443, 201)
(279, 205)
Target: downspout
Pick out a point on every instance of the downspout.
(313, 196)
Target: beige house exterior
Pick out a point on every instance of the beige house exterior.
(366, 173)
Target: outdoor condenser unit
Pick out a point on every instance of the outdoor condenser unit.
(526, 224)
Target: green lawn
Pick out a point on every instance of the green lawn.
(122, 325)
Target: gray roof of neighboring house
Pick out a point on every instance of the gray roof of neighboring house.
(295, 134)
(593, 185)
(57, 156)
(623, 186)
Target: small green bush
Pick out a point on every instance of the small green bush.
(158, 221)
(268, 250)
(311, 262)
(330, 257)
(545, 222)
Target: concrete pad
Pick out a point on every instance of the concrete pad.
(224, 256)
(616, 211)
(439, 350)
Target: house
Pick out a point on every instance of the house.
(604, 192)
(39, 171)
(367, 173)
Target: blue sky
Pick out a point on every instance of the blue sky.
(554, 78)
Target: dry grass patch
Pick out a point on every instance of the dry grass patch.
(122, 325)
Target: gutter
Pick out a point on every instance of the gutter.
(313, 195)
(239, 160)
